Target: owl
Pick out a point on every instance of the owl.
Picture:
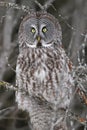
(43, 72)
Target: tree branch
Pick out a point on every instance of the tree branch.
(46, 4)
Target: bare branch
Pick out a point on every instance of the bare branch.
(41, 7)
(6, 111)
(7, 86)
(46, 5)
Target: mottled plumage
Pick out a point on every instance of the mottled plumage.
(43, 72)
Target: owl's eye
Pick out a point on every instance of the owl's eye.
(44, 29)
(33, 30)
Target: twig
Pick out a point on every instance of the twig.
(74, 116)
(41, 7)
(6, 111)
(46, 5)
(8, 86)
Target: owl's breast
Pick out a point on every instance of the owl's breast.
(46, 74)
(52, 82)
(40, 75)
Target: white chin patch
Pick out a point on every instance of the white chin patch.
(35, 45)
(31, 46)
(46, 45)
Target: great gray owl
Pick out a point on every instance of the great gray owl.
(43, 72)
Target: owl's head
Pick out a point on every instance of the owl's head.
(39, 30)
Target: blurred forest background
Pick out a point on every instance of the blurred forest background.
(72, 15)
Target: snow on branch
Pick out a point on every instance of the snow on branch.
(14, 6)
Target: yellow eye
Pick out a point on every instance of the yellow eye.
(44, 29)
(33, 30)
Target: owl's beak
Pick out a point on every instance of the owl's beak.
(39, 41)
